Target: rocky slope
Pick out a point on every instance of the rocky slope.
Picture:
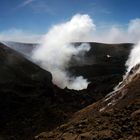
(30, 103)
(115, 117)
(24, 88)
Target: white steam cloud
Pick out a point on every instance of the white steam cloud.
(19, 35)
(134, 57)
(56, 50)
(105, 34)
(119, 34)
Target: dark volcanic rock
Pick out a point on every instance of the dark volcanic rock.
(114, 117)
(23, 90)
(30, 103)
(102, 59)
(103, 66)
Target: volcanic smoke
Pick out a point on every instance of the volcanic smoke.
(57, 49)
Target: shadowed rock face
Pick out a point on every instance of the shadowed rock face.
(103, 66)
(30, 103)
(102, 59)
(23, 85)
(114, 117)
(102, 63)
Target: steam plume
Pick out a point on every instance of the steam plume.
(56, 50)
(134, 57)
(107, 34)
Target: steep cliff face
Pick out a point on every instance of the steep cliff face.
(114, 117)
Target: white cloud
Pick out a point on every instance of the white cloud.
(108, 34)
(42, 6)
(55, 51)
(119, 34)
(37, 6)
(26, 2)
(18, 35)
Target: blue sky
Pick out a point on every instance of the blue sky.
(37, 16)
